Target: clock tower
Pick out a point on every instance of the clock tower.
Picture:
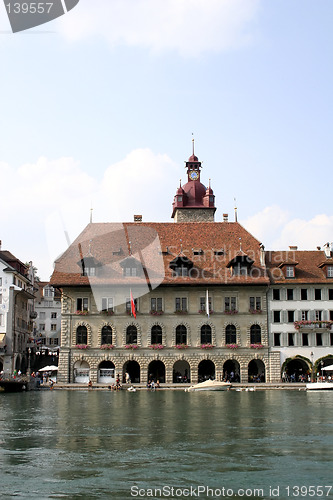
(193, 201)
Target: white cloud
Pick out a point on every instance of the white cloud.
(277, 230)
(50, 200)
(190, 27)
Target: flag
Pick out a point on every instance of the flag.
(133, 311)
(207, 303)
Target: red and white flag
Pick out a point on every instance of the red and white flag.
(133, 311)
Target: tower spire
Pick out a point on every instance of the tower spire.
(235, 210)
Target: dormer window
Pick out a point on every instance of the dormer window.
(181, 266)
(290, 271)
(330, 271)
(241, 264)
(89, 271)
(131, 267)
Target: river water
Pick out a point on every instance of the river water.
(122, 445)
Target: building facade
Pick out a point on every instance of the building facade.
(301, 310)
(180, 301)
(16, 313)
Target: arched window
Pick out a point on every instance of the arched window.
(106, 335)
(82, 335)
(206, 334)
(181, 334)
(255, 334)
(131, 334)
(156, 334)
(230, 334)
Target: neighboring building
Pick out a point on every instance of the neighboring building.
(16, 313)
(174, 272)
(301, 310)
(47, 326)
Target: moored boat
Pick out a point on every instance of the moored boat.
(319, 386)
(209, 385)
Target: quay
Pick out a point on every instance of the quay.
(180, 387)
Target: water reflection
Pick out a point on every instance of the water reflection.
(80, 444)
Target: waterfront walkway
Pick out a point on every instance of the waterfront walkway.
(243, 387)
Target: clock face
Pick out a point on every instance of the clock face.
(194, 175)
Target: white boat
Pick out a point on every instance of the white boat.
(319, 386)
(209, 385)
(131, 389)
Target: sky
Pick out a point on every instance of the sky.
(98, 108)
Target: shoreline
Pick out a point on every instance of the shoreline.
(296, 386)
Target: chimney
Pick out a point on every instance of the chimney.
(225, 217)
(293, 248)
(262, 255)
(318, 248)
(327, 250)
(137, 218)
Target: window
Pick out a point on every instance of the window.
(255, 334)
(319, 339)
(181, 304)
(131, 334)
(181, 334)
(330, 271)
(82, 335)
(156, 304)
(180, 271)
(277, 316)
(0, 298)
(239, 270)
(1, 320)
(53, 341)
(318, 315)
(106, 335)
(42, 315)
(48, 292)
(331, 315)
(82, 304)
(156, 334)
(42, 327)
(304, 294)
(291, 316)
(0, 281)
(305, 315)
(330, 294)
(290, 272)
(53, 315)
(203, 303)
(255, 303)
(331, 338)
(53, 327)
(277, 339)
(291, 339)
(305, 339)
(317, 293)
(230, 303)
(290, 294)
(276, 294)
(230, 334)
(206, 334)
(89, 271)
(107, 304)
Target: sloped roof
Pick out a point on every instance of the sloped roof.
(148, 239)
(308, 266)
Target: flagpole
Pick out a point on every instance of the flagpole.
(207, 303)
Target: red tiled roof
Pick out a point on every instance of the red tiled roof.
(307, 264)
(148, 240)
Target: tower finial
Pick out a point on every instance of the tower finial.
(192, 144)
(235, 210)
(91, 211)
(180, 183)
